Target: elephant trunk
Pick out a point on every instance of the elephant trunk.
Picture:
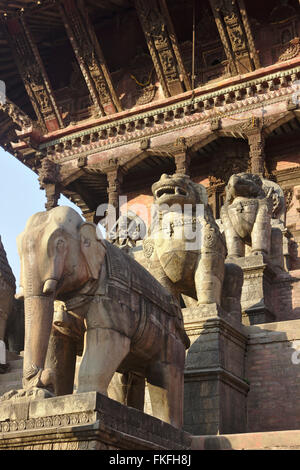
(38, 324)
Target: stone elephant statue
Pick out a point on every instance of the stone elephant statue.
(130, 323)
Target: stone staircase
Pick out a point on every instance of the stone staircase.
(13, 378)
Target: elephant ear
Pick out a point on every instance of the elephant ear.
(92, 248)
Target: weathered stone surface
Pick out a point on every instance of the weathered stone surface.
(257, 300)
(185, 251)
(84, 421)
(132, 325)
(246, 215)
(253, 219)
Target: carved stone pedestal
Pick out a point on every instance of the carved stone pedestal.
(257, 292)
(215, 389)
(83, 421)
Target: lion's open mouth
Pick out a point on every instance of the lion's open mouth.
(171, 190)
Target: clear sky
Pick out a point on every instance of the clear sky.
(20, 197)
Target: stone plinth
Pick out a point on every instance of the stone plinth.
(203, 312)
(257, 292)
(85, 421)
(215, 387)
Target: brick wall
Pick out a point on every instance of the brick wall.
(286, 296)
(273, 401)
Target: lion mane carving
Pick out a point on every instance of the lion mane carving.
(246, 215)
(185, 266)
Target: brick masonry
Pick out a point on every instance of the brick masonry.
(273, 400)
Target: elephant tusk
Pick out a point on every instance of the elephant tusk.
(50, 286)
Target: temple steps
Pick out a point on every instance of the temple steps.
(12, 380)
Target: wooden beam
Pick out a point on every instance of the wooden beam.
(235, 33)
(89, 56)
(163, 46)
(247, 27)
(16, 115)
(33, 74)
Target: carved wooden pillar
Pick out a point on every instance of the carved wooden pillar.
(115, 179)
(90, 57)
(33, 74)
(49, 181)
(163, 46)
(182, 157)
(256, 142)
(235, 32)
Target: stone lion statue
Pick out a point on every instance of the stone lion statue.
(247, 213)
(184, 249)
